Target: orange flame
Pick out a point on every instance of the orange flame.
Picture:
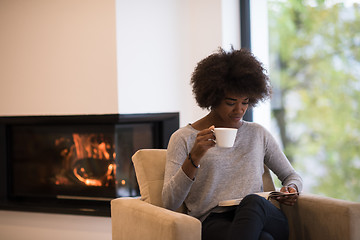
(88, 146)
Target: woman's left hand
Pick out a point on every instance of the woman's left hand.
(288, 200)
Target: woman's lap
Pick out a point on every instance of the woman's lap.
(255, 218)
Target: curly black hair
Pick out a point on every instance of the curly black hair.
(236, 72)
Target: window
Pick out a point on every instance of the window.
(311, 49)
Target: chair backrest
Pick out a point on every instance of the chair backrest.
(150, 168)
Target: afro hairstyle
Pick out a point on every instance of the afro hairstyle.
(236, 72)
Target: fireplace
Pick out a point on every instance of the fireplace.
(75, 164)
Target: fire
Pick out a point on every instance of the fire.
(90, 157)
(87, 146)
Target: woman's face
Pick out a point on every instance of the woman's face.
(230, 111)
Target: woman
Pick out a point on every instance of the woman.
(227, 83)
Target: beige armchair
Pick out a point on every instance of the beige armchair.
(313, 217)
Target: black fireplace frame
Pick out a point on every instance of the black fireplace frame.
(164, 124)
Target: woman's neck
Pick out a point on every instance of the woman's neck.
(203, 123)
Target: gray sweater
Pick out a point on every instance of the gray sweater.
(225, 173)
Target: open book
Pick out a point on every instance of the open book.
(266, 195)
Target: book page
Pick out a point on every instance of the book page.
(266, 195)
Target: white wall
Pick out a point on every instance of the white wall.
(69, 57)
(230, 24)
(77, 57)
(57, 57)
(158, 51)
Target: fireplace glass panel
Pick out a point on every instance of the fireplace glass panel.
(76, 161)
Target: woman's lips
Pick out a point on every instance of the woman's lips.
(236, 118)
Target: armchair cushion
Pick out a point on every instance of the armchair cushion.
(322, 218)
(149, 166)
(138, 220)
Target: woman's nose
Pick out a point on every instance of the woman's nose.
(239, 108)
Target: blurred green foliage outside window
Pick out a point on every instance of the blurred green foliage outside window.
(315, 72)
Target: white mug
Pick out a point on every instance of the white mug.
(225, 137)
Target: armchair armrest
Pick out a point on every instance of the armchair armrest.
(137, 219)
(317, 217)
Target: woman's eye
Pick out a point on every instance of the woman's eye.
(245, 103)
(230, 104)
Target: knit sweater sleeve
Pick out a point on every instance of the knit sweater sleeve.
(176, 183)
(276, 160)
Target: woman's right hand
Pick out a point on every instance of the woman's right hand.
(205, 140)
